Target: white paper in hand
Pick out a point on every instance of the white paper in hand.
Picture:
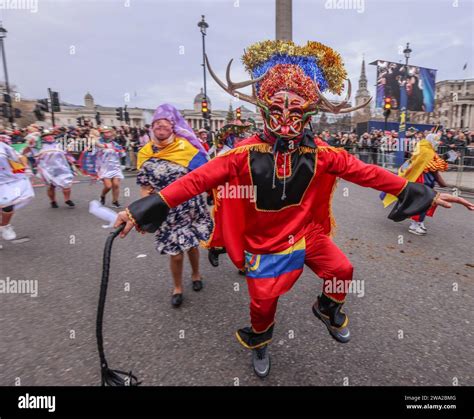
(106, 214)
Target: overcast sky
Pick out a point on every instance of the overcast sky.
(151, 49)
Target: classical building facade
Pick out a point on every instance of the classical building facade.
(218, 117)
(454, 106)
(138, 116)
(69, 114)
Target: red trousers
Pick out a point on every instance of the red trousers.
(327, 261)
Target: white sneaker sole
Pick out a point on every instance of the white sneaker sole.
(417, 233)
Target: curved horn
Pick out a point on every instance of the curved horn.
(231, 86)
(352, 109)
(327, 106)
(240, 84)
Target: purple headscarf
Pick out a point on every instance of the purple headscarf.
(180, 126)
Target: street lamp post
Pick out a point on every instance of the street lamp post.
(3, 35)
(203, 25)
(400, 156)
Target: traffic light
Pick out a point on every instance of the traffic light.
(238, 113)
(17, 112)
(204, 109)
(55, 106)
(38, 113)
(97, 118)
(126, 115)
(79, 121)
(43, 105)
(119, 113)
(387, 106)
(5, 110)
(7, 98)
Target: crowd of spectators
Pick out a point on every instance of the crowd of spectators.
(376, 147)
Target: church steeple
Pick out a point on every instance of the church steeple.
(363, 77)
(362, 93)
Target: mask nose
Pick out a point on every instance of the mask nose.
(285, 129)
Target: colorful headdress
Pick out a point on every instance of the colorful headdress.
(281, 65)
(48, 136)
(234, 128)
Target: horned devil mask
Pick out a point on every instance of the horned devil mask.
(287, 84)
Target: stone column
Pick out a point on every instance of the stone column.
(283, 20)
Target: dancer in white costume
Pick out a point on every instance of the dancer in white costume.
(54, 166)
(108, 154)
(15, 186)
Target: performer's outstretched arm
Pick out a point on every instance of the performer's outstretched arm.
(147, 214)
(413, 198)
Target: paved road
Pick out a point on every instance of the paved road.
(50, 339)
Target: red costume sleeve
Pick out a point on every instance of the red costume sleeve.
(350, 168)
(210, 175)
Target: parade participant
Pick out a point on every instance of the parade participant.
(108, 155)
(33, 145)
(15, 187)
(229, 136)
(173, 152)
(54, 167)
(288, 223)
(202, 136)
(424, 167)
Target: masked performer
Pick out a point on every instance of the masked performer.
(229, 136)
(174, 151)
(15, 187)
(54, 166)
(108, 154)
(290, 222)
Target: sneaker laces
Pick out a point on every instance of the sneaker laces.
(261, 352)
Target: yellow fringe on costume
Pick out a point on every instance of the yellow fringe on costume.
(412, 169)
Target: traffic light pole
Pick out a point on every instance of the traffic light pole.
(207, 121)
(52, 111)
(11, 116)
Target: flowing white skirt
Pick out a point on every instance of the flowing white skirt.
(55, 170)
(18, 193)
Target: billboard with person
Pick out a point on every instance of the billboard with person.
(419, 83)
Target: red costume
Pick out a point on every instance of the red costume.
(287, 222)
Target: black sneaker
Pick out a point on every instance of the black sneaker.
(116, 204)
(332, 316)
(69, 203)
(213, 256)
(102, 200)
(261, 361)
(54, 204)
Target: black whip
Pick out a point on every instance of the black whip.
(110, 377)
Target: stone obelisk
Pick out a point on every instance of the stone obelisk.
(283, 20)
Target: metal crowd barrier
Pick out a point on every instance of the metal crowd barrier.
(462, 164)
